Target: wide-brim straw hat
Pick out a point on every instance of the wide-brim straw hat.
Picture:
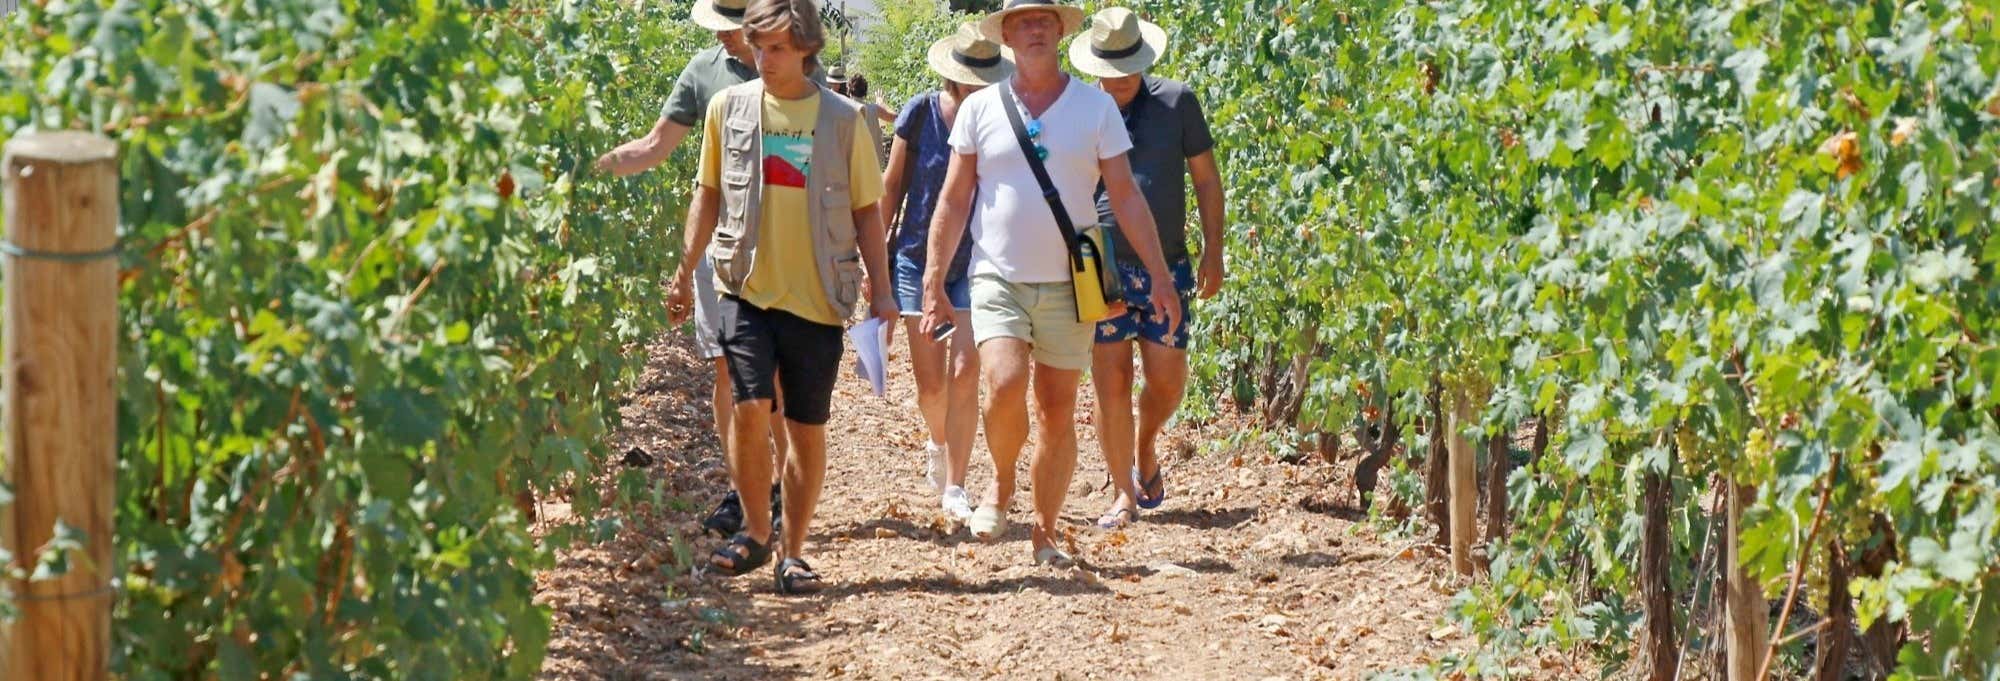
(1072, 16)
(1117, 44)
(970, 58)
(720, 15)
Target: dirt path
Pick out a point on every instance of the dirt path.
(1253, 569)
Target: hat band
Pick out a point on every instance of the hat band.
(1118, 54)
(731, 12)
(975, 62)
(1029, 3)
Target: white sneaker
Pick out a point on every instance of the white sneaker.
(934, 471)
(957, 503)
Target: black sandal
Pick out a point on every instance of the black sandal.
(796, 577)
(753, 556)
(727, 518)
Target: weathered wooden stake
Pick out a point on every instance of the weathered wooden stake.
(61, 275)
(1499, 464)
(1437, 467)
(1464, 485)
(1747, 628)
(1838, 634)
(1661, 642)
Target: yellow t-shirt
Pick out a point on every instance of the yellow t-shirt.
(785, 275)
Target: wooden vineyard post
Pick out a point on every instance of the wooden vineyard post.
(1499, 463)
(1748, 615)
(1464, 484)
(1437, 466)
(61, 273)
(1661, 642)
(1831, 663)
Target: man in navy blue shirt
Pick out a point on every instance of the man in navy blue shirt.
(1171, 142)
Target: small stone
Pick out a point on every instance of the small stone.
(1282, 541)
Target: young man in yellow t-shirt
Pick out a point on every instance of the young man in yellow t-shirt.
(784, 210)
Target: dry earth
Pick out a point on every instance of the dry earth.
(1253, 569)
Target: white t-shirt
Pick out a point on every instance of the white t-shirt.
(1013, 233)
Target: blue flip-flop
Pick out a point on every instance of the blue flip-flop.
(1148, 499)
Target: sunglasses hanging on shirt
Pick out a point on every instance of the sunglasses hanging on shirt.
(1033, 129)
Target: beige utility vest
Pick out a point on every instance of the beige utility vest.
(734, 248)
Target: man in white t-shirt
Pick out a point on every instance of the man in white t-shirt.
(1024, 314)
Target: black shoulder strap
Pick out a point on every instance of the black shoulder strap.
(1049, 192)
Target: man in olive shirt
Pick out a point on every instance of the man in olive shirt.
(729, 63)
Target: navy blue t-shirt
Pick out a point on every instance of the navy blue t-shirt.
(1167, 127)
(922, 128)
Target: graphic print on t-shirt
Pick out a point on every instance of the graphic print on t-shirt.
(787, 158)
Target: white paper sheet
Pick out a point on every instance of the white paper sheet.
(871, 344)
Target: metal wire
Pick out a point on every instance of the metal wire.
(99, 592)
(14, 250)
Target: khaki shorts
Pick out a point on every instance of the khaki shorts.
(1044, 315)
(707, 313)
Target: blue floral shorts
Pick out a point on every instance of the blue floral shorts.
(1140, 320)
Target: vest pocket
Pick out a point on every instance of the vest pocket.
(837, 211)
(837, 196)
(731, 227)
(739, 134)
(848, 267)
(736, 194)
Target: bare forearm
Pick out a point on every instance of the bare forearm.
(874, 246)
(633, 157)
(644, 153)
(700, 229)
(947, 228)
(887, 210)
(894, 184)
(1208, 199)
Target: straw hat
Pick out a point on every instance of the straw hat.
(968, 57)
(1072, 16)
(720, 15)
(1117, 44)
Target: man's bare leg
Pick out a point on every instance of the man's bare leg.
(780, 441)
(805, 473)
(723, 403)
(1111, 376)
(750, 469)
(723, 400)
(1005, 364)
(1055, 449)
(1166, 380)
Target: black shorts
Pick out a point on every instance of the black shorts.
(767, 347)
